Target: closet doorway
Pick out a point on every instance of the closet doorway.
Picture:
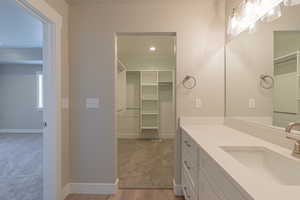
(146, 122)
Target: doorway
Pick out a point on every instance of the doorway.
(146, 71)
(30, 117)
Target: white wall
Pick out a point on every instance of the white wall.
(18, 89)
(20, 54)
(199, 26)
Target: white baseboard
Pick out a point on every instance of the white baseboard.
(90, 188)
(177, 189)
(66, 191)
(21, 131)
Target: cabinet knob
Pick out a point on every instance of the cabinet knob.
(187, 165)
(187, 143)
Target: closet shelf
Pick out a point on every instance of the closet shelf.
(149, 84)
(150, 113)
(149, 99)
(133, 108)
(149, 127)
(165, 82)
(286, 58)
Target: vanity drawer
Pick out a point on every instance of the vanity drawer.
(188, 143)
(187, 188)
(189, 157)
(218, 180)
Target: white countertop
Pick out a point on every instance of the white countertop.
(212, 137)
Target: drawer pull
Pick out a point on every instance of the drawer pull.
(187, 143)
(186, 192)
(187, 165)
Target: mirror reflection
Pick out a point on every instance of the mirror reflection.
(266, 89)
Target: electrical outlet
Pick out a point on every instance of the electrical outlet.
(251, 103)
(199, 103)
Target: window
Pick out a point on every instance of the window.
(40, 95)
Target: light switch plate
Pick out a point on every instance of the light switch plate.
(251, 103)
(92, 103)
(199, 103)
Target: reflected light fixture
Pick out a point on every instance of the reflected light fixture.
(291, 2)
(246, 15)
(272, 15)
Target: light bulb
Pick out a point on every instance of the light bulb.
(249, 9)
(152, 48)
(271, 12)
(272, 15)
(233, 24)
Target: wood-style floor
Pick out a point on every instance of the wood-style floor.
(145, 164)
(130, 195)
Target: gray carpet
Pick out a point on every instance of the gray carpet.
(145, 163)
(21, 167)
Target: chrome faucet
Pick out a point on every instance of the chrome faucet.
(297, 144)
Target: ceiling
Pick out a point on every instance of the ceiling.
(139, 45)
(18, 27)
(135, 49)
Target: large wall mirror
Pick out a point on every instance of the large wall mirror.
(263, 72)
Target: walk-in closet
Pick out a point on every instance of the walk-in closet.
(146, 72)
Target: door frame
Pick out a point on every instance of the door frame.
(52, 21)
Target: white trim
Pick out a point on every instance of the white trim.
(52, 181)
(177, 189)
(66, 191)
(138, 136)
(90, 188)
(21, 130)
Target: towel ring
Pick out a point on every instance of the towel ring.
(186, 79)
(266, 81)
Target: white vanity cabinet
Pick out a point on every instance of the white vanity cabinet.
(189, 168)
(205, 191)
(202, 177)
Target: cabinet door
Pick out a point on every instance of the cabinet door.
(205, 191)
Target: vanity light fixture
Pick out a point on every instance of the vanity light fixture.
(252, 27)
(291, 2)
(272, 15)
(233, 24)
(249, 9)
(249, 12)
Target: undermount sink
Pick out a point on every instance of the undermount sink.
(267, 164)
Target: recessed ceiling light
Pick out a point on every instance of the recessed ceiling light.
(152, 48)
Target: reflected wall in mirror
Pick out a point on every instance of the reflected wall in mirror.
(263, 72)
